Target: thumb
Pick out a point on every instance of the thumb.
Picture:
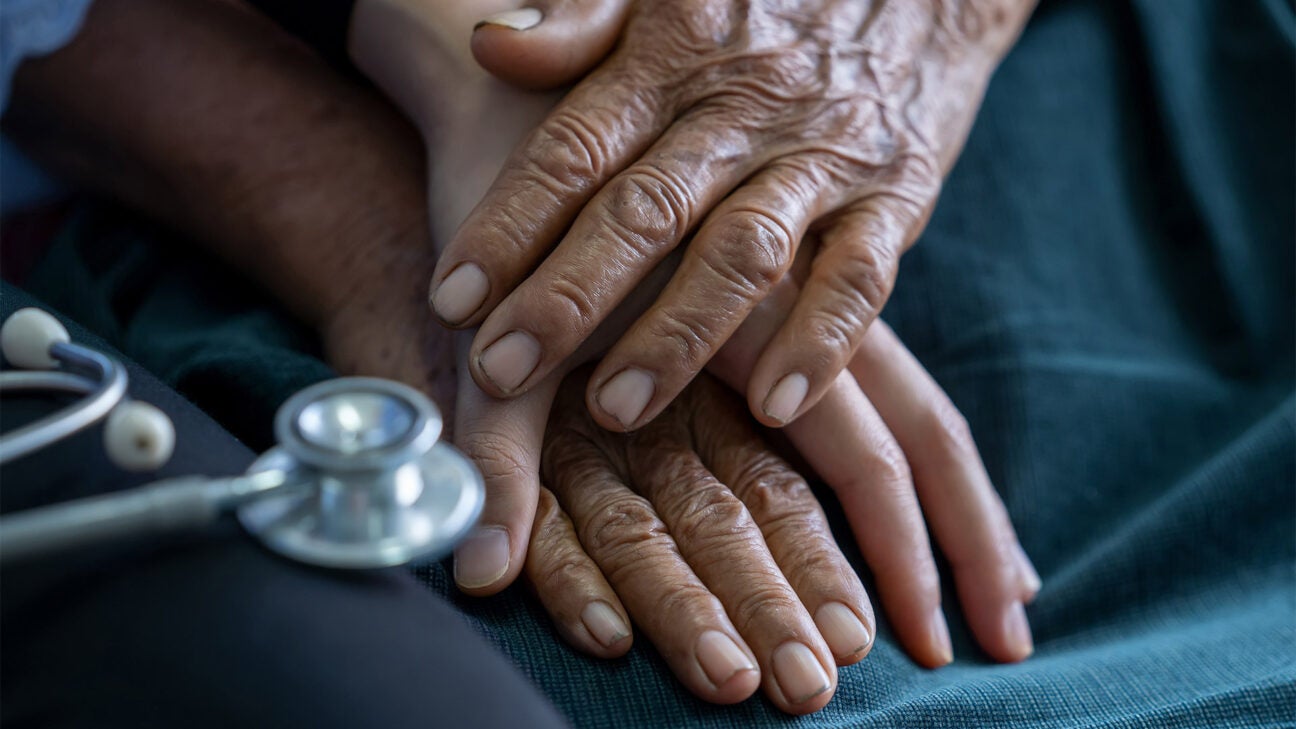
(504, 439)
(548, 43)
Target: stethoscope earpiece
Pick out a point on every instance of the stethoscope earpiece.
(359, 479)
(138, 436)
(27, 337)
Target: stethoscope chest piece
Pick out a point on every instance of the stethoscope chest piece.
(369, 484)
(359, 479)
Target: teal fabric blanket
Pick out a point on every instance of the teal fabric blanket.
(1107, 292)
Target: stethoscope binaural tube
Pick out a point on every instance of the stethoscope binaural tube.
(162, 507)
(359, 479)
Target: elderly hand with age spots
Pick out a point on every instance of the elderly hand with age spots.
(873, 453)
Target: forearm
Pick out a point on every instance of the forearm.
(205, 116)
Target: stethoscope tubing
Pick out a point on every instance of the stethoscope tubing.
(102, 392)
(316, 497)
(160, 507)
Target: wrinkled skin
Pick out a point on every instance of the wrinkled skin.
(314, 188)
(880, 457)
(256, 149)
(731, 129)
(701, 534)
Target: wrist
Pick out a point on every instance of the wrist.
(418, 53)
(344, 259)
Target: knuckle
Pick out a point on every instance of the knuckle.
(572, 296)
(887, 469)
(752, 251)
(803, 532)
(867, 276)
(834, 336)
(711, 513)
(561, 568)
(892, 468)
(510, 233)
(649, 208)
(685, 333)
(815, 556)
(684, 602)
(857, 290)
(768, 486)
(972, 21)
(621, 527)
(525, 204)
(567, 154)
(763, 603)
(950, 430)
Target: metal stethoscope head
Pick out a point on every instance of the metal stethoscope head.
(359, 478)
(374, 486)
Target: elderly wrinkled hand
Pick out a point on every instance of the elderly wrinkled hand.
(710, 542)
(734, 127)
(884, 440)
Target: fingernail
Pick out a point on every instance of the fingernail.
(625, 396)
(482, 558)
(845, 633)
(1030, 577)
(940, 637)
(461, 293)
(510, 360)
(721, 658)
(1018, 631)
(604, 624)
(798, 673)
(521, 19)
(786, 397)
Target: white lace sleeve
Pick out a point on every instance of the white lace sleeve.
(34, 28)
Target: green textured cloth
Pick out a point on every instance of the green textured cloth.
(1107, 292)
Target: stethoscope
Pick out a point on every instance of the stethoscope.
(358, 480)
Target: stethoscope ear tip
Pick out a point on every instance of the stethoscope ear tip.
(26, 338)
(138, 436)
(359, 479)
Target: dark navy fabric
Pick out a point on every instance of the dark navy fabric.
(209, 630)
(1106, 290)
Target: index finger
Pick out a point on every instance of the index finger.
(603, 124)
